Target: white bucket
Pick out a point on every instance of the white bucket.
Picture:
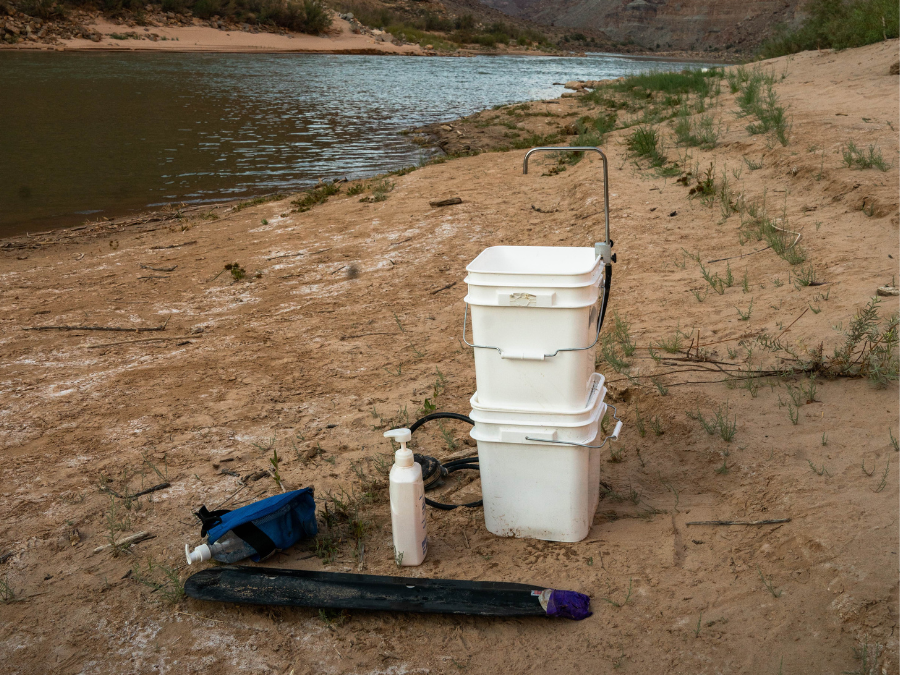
(539, 490)
(531, 305)
(575, 418)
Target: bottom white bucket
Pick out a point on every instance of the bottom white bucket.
(539, 490)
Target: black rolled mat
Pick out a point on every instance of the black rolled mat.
(299, 588)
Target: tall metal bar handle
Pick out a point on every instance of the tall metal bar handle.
(614, 436)
(605, 249)
(535, 357)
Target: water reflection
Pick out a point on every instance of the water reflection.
(107, 133)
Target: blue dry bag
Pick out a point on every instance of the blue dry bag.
(275, 523)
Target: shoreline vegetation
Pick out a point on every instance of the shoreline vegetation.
(367, 26)
(643, 103)
(350, 27)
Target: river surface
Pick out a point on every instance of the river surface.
(90, 135)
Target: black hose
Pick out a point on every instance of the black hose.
(607, 282)
(439, 416)
(433, 471)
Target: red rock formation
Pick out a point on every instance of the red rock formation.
(663, 24)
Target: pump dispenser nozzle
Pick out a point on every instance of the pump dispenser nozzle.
(404, 456)
(200, 554)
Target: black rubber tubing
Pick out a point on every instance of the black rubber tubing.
(607, 282)
(451, 466)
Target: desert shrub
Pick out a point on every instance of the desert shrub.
(839, 25)
(464, 22)
(435, 22)
(177, 6)
(304, 16)
(206, 9)
(366, 12)
(43, 9)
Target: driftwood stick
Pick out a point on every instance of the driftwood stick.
(444, 288)
(159, 269)
(162, 248)
(115, 329)
(774, 521)
(127, 541)
(109, 490)
(446, 202)
(792, 324)
(155, 339)
(161, 486)
(351, 337)
(231, 496)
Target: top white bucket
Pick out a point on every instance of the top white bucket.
(534, 320)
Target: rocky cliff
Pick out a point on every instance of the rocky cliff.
(663, 24)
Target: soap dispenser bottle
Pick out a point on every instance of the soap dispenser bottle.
(407, 503)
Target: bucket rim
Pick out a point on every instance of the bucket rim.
(496, 414)
(476, 266)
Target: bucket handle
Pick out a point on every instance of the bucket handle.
(602, 249)
(614, 436)
(532, 357)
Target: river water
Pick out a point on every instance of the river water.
(90, 135)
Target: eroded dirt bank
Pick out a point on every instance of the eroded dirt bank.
(349, 318)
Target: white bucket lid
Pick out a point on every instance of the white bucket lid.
(535, 266)
(522, 417)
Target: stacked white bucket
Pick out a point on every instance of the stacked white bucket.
(534, 313)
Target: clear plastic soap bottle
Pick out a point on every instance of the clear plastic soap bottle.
(228, 549)
(407, 503)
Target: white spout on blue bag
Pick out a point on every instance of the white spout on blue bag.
(257, 530)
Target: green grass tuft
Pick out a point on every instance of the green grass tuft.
(645, 142)
(316, 196)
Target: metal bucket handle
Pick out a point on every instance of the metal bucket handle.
(614, 436)
(534, 357)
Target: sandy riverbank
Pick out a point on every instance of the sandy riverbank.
(94, 32)
(349, 317)
(194, 35)
(199, 38)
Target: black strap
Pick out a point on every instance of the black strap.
(256, 538)
(249, 532)
(209, 519)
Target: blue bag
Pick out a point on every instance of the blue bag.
(274, 523)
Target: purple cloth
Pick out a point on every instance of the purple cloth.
(569, 605)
